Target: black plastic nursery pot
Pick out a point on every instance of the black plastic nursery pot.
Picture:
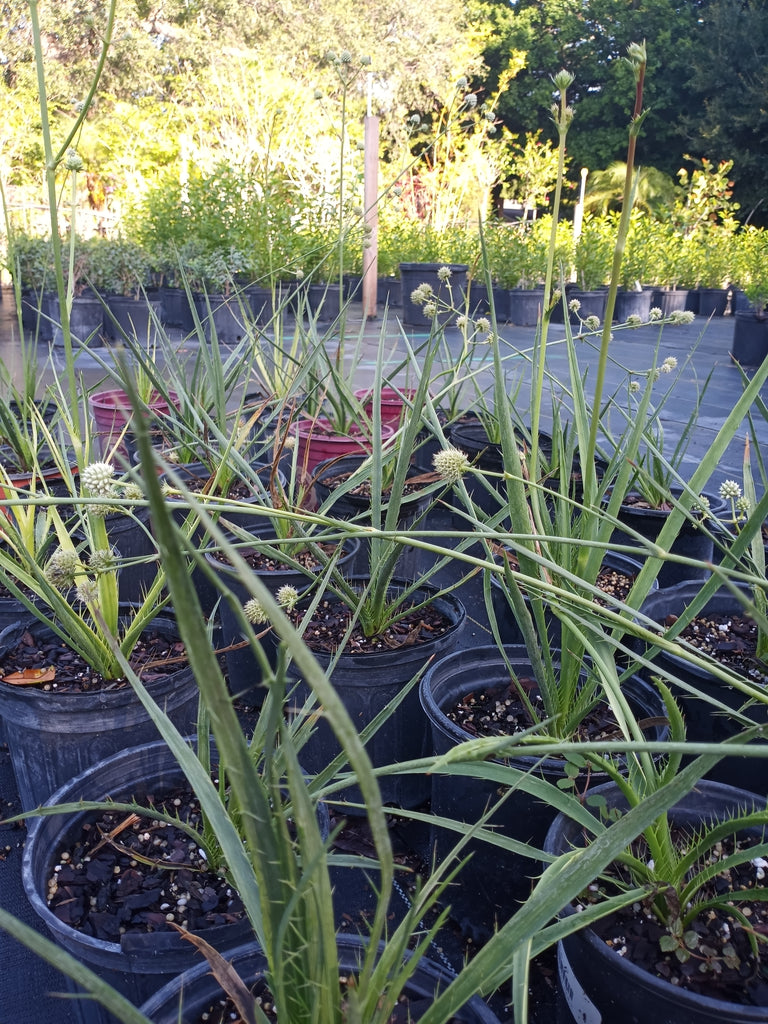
(591, 303)
(86, 321)
(694, 539)
(324, 302)
(53, 737)
(195, 476)
(449, 295)
(597, 984)
(508, 626)
(750, 338)
(135, 318)
(480, 304)
(184, 1000)
(348, 505)
(177, 305)
(243, 671)
(525, 306)
(491, 887)
(142, 961)
(632, 303)
(713, 301)
(669, 300)
(228, 317)
(367, 683)
(703, 722)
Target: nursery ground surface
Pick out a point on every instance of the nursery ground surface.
(26, 980)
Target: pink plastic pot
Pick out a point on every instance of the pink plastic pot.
(112, 415)
(318, 441)
(391, 403)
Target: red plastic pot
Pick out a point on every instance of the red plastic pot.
(318, 441)
(112, 415)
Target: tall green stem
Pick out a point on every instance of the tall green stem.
(52, 162)
(563, 115)
(636, 57)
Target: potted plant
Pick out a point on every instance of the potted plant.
(64, 693)
(121, 271)
(750, 327)
(31, 268)
(517, 256)
(222, 306)
(719, 247)
(592, 257)
(430, 286)
(685, 893)
(489, 692)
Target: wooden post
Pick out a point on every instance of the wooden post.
(370, 202)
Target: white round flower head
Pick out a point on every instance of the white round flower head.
(287, 597)
(462, 82)
(430, 308)
(87, 592)
(574, 305)
(729, 490)
(461, 322)
(102, 560)
(444, 274)
(679, 317)
(133, 492)
(483, 324)
(254, 612)
(470, 100)
(397, 190)
(633, 320)
(99, 479)
(634, 387)
(423, 293)
(592, 323)
(451, 464)
(701, 504)
(345, 57)
(62, 568)
(73, 161)
(655, 313)
(742, 504)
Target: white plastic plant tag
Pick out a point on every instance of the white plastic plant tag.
(583, 1010)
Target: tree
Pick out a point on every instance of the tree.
(590, 40)
(728, 117)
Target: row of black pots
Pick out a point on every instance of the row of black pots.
(93, 320)
(159, 969)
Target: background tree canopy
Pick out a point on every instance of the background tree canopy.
(199, 77)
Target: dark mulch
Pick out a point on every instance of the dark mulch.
(136, 873)
(153, 657)
(364, 489)
(328, 626)
(730, 640)
(499, 711)
(260, 561)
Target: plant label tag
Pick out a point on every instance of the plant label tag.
(583, 1010)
